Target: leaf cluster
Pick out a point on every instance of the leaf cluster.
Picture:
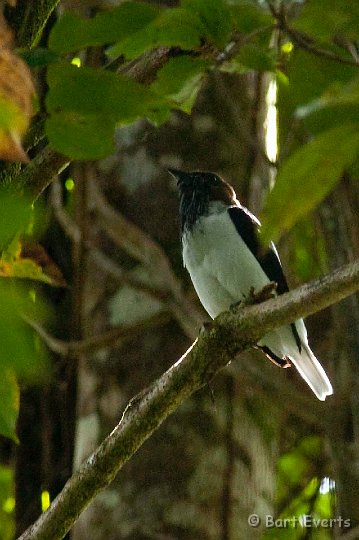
(86, 104)
(311, 58)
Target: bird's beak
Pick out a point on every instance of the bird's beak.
(175, 173)
(182, 177)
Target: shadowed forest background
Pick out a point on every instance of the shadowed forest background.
(125, 90)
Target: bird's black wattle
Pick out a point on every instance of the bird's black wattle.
(197, 189)
(192, 208)
(247, 228)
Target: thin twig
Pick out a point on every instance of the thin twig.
(111, 338)
(238, 40)
(305, 42)
(68, 225)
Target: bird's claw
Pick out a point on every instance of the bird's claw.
(266, 293)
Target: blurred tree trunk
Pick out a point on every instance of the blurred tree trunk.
(339, 217)
(212, 463)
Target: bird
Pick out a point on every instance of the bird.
(223, 254)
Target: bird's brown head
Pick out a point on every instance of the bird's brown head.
(197, 189)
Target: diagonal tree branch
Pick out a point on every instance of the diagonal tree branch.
(227, 336)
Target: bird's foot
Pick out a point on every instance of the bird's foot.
(280, 362)
(266, 293)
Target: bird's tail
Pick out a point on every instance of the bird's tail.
(312, 372)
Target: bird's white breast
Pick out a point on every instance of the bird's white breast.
(222, 267)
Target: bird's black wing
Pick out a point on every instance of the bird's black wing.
(247, 226)
(270, 263)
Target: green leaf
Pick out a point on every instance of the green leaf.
(180, 80)
(19, 351)
(250, 17)
(293, 466)
(324, 504)
(96, 92)
(254, 57)
(9, 404)
(307, 176)
(325, 79)
(81, 136)
(337, 105)
(324, 118)
(15, 215)
(307, 249)
(324, 19)
(72, 32)
(335, 95)
(311, 445)
(159, 117)
(38, 57)
(215, 16)
(13, 264)
(86, 105)
(24, 268)
(173, 28)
